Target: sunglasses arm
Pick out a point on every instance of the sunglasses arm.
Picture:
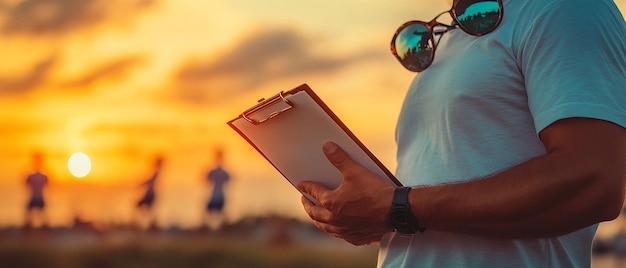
(441, 28)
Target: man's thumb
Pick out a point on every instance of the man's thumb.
(338, 157)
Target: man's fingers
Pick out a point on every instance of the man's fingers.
(355, 238)
(317, 213)
(360, 241)
(314, 189)
(337, 156)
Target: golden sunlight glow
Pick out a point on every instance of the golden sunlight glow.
(123, 80)
(79, 164)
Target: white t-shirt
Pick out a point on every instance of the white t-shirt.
(478, 109)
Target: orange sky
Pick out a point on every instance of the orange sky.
(123, 80)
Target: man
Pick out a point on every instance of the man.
(145, 204)
(36, 183)
(217, 177)
(512, 142)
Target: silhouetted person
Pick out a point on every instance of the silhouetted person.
(217, 177)
(36, 183)
(145, 203)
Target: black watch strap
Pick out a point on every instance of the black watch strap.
(402, 219)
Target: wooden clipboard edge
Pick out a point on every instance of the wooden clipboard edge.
(318, 100)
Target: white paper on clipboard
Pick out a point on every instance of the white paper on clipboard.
(289, 130)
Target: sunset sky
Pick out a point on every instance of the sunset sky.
(125, 80)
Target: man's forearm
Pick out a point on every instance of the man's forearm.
(569, 188)
(535, 199)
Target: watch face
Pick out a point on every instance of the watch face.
(401, 222)
(399, 218)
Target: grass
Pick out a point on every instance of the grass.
(187, 251)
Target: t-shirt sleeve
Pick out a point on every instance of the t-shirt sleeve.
(574, 62)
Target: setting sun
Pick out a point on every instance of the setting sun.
(79, 165)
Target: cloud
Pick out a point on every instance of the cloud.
(260, 57)
(59, 16)
(115, 69)
(36, 77)
(3, 6)
(40, 75)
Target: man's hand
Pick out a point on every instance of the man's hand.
(358, 210)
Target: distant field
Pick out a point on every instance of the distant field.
(244, 247)
(177, 255)
(185, 251)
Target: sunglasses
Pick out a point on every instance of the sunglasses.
(414, 44)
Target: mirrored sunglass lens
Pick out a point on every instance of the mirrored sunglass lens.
(414, 47)
(478, 16)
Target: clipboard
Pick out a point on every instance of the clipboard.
(289, 129)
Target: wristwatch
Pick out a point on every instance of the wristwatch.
(402, 219)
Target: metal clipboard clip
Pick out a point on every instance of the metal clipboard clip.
(261, 111)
